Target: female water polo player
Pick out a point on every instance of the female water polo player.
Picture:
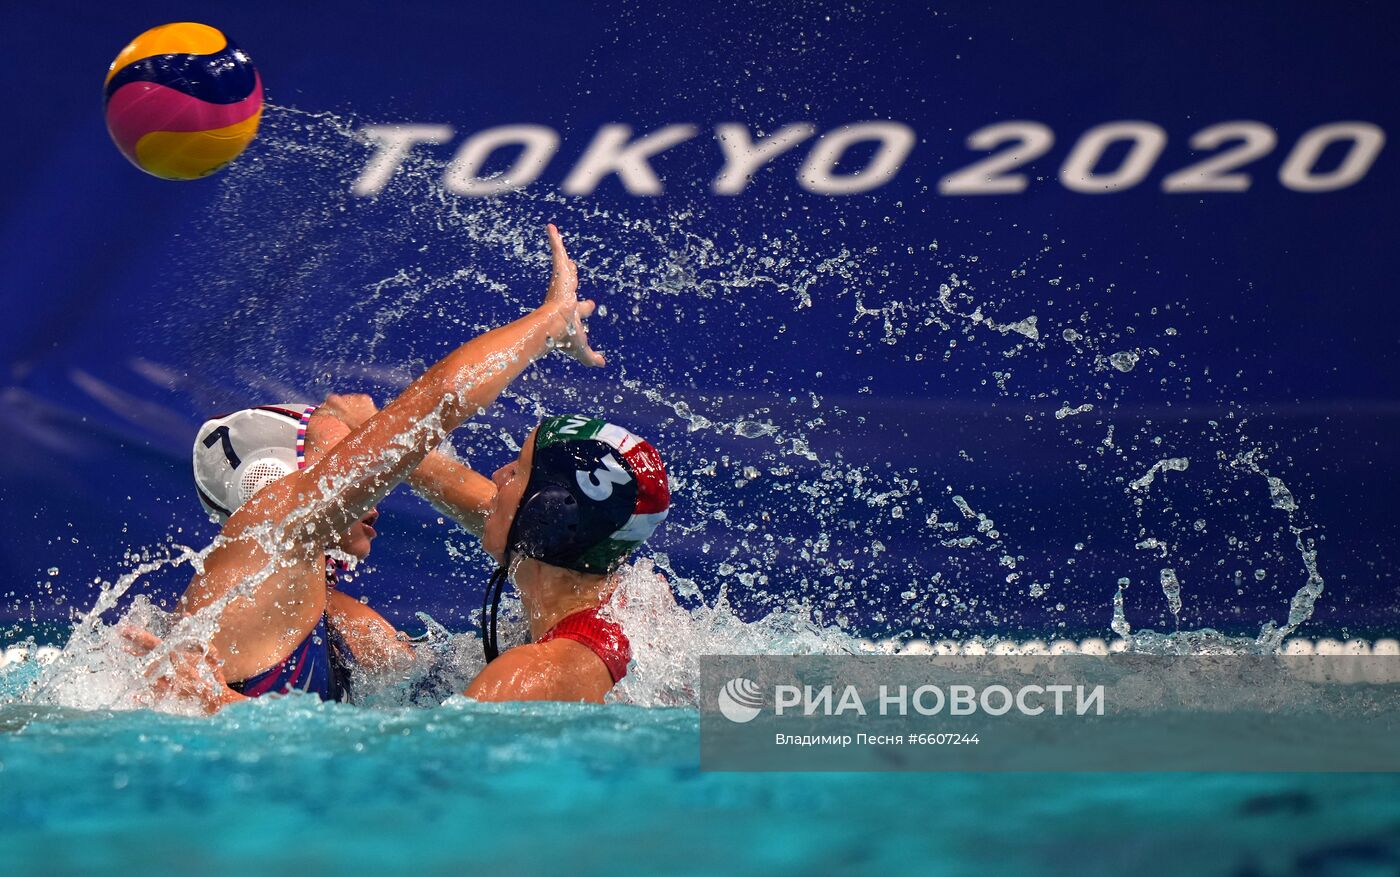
(581, 496)
(294, 485)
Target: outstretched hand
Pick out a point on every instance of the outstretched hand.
(188, 673)
(562, 298)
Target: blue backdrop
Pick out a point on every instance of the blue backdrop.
(838, 359)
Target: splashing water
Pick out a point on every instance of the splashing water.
(1175, 464)
(807, 505)
(1171, 589)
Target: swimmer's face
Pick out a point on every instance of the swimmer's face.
(510, 481)
(356, 541)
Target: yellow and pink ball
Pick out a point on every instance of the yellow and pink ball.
(182, 101)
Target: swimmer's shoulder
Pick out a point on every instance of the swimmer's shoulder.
(560, 669)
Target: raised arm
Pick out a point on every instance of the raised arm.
(453, 488)
(339, 488)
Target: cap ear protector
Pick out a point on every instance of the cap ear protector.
(236, 455)
(546, 525)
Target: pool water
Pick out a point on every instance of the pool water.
(295, 786)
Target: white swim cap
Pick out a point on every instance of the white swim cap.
(238, 454)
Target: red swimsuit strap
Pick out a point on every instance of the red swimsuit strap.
(605, 638)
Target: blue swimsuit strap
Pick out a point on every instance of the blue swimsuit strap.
(307, 668)
(321, 664)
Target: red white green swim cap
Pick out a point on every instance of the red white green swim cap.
(596, 492)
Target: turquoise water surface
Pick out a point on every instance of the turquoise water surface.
(295, 786)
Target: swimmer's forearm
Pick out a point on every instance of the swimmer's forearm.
(373, 642)
(386, 448)
(461, 385)
(472, 377)
(454, 489)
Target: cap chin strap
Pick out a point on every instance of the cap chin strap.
(491, 608)
(491, 602)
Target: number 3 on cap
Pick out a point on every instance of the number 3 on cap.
(600, 488)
